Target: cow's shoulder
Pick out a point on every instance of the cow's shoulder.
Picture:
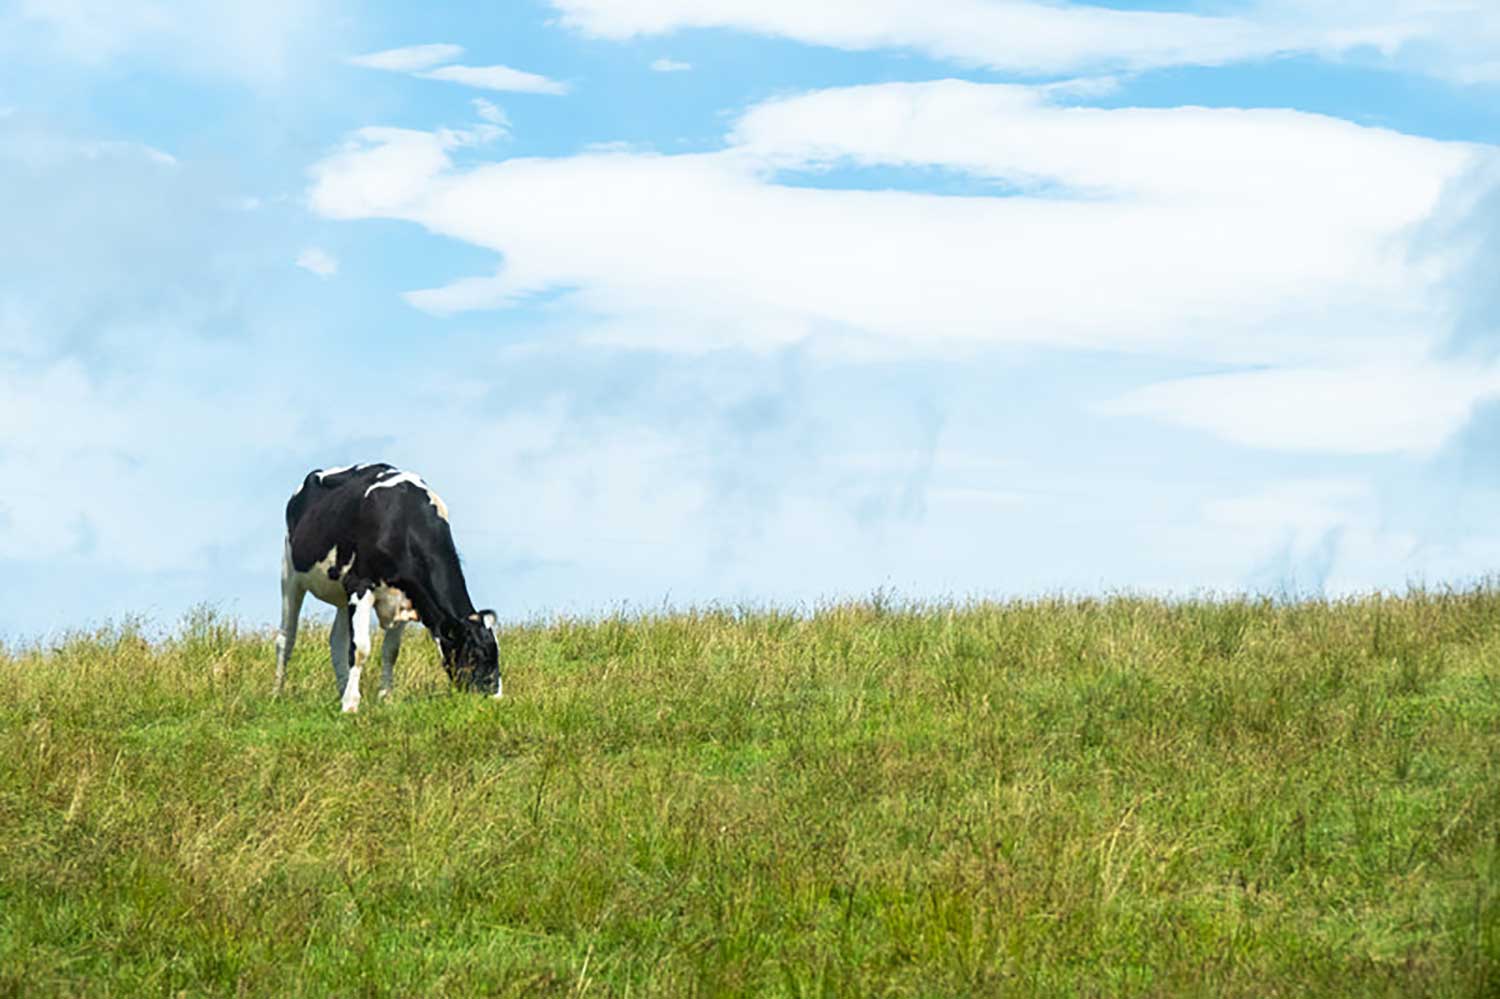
(331, 494)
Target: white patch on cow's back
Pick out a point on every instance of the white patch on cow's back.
(325, 473)
(414, 479)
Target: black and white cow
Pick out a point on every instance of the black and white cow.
(373, 538)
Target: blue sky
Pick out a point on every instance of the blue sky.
(765, 301)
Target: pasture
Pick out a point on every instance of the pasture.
(1119, 797)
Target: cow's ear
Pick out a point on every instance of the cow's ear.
(491, 619)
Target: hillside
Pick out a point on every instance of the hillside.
(1111, 798)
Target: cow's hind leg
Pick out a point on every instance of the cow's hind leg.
(291, 609)
(361, 600)
(341, 649)
(390, 648)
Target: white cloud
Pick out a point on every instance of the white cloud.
(261, 42)
(1274, 159)
(1360, 409)
(1023, 36)
(128, 285)
(670, 66)
(490, 112)
(1480, 72)
(1307, 507)
(1256, 236)
(425, 61)
(319, 261)
(1270, 238)
(1453, 39)
(497, 78)
(1030, 36)
(410, 58)
(1325, 536)
(130, 430)
(97, 150)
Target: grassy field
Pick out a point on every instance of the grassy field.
(1097, 798)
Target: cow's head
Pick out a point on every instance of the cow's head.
(471, 652)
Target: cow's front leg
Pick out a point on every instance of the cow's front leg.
(390, 648)
(361, 600)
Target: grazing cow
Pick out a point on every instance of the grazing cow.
(371, 537)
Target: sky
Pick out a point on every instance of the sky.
(752, 302)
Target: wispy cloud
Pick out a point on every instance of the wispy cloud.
(410, 58)
(431, 62)
(318, 261)
(260, 42)
(497, 78)
(1410, 408)
(1023, 36)
(96, 150)
(671, 66)
(492, 113)
(1455, 39)
(1310, 537)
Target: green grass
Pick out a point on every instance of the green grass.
(1061, 798)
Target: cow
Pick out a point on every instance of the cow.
(374, 538)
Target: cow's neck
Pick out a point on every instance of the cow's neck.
(442, 597)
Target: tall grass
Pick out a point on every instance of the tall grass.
(1115, 797)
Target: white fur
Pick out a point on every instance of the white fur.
(492, 623)
(360, 608)
(359, 622)
(414, 479)
(350, 703)
(316, 579)
(325, 473)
